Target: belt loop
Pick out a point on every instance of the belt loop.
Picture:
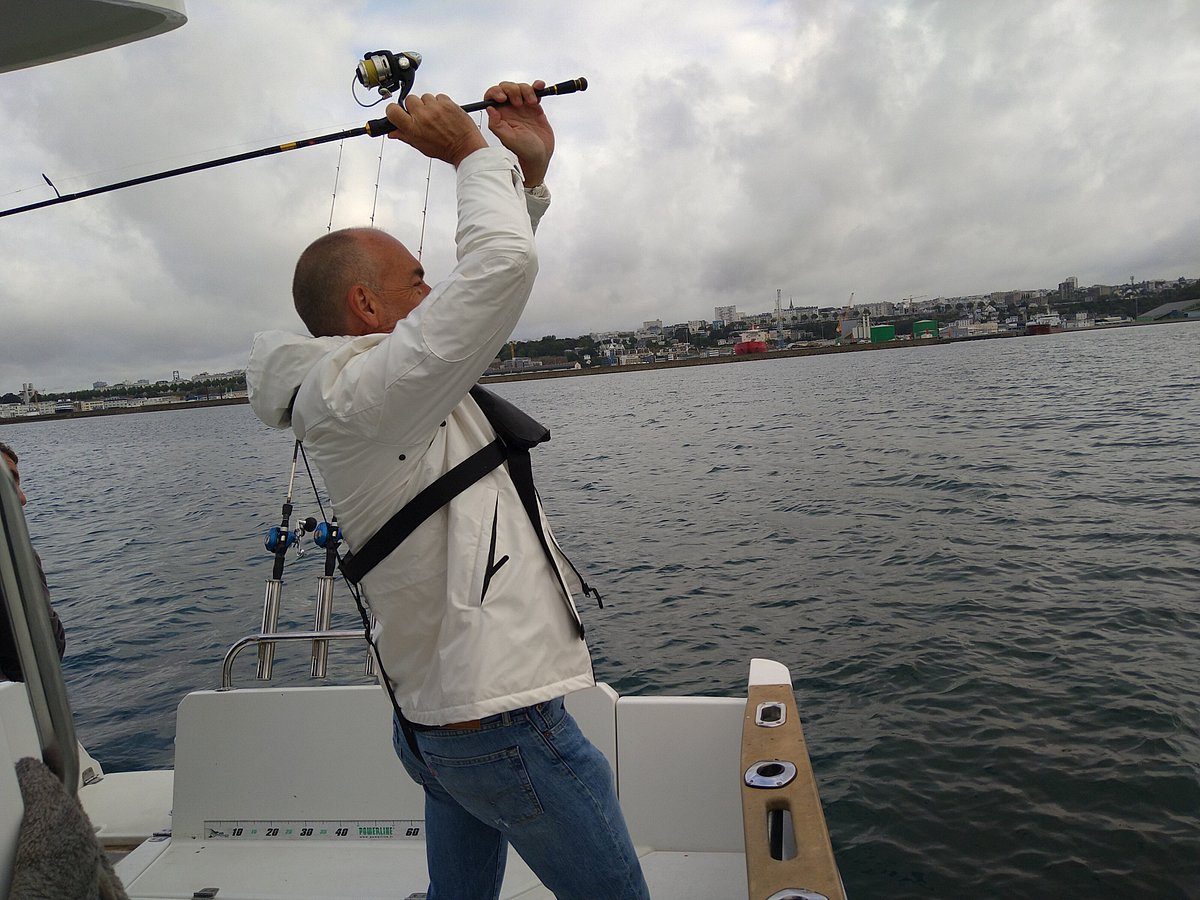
(506, 718)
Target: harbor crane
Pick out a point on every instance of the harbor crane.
(779, 316)
(844, 316)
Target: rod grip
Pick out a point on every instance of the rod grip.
(377, 127)
(563, 87)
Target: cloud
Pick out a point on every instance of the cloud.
(723, 151)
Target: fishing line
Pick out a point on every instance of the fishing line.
(337, 173)
(378, 172)
(425, 210)
(312, 480)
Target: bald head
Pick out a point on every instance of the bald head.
(357, 281)
(325, 274)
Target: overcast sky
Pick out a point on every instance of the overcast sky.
(723, 150)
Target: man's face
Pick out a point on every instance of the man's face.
(402, 284)
(12, 467)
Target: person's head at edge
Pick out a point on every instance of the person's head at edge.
(10, 459)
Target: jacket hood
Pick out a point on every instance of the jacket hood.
(279, 362)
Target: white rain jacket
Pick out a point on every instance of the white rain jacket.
(383, 416)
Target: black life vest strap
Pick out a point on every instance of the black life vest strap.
(520, 469)
(355, 566)
(517, 433)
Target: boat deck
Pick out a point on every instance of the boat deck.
(363, 870)
(260, 773)
(297, 793)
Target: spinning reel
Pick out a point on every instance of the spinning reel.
(392, 73)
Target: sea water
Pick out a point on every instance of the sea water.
(979, 561)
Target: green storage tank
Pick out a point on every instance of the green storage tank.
(925, 328)
(882, 333)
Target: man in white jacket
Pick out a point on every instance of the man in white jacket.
(477, 632)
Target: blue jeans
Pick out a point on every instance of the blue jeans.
(530, 778)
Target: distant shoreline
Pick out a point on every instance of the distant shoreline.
(721, 360)
(154, 407)
(787, 354)
(534, 375)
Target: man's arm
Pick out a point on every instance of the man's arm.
(521, 125)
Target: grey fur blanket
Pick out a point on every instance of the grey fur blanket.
(58, 856)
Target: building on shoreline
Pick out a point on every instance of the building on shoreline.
(792, 328)
(64, 409)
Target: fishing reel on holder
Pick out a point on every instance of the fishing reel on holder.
(392, 73)
(281, 538)
(327, 535)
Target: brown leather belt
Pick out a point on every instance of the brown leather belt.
(473, 725)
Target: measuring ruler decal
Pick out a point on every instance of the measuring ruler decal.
(324, 830)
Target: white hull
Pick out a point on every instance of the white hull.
(313, 759)
(271, 759)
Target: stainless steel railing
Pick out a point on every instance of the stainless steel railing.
(261, 640)
(28, 610)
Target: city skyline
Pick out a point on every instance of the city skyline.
(1146, 288)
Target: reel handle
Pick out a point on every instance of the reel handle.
(379, 127)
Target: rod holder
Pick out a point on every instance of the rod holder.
(322, 622)
(270, 625)
(233, 652)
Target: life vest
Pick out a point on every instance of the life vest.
(516, 434)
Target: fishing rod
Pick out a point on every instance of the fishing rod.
(392, 73)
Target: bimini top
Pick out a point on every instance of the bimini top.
(47, 30)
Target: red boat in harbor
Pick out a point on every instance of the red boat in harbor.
(1047, 323)
(753, 341)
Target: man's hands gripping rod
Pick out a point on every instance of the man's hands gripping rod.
(436, 126)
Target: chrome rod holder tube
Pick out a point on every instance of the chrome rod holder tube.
(322, 622)
(270, 625)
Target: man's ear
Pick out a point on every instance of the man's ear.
(362, 309)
